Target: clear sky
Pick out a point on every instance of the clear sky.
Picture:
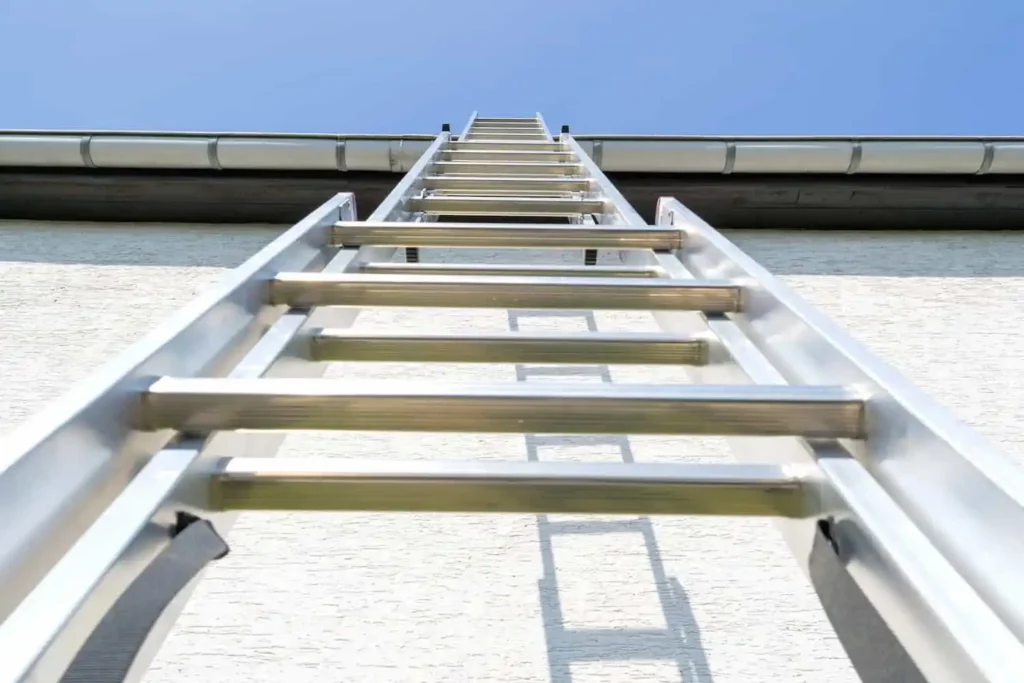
(603, 66)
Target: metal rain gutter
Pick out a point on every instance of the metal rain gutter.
(676, 154)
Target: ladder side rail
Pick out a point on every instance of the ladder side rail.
(622, 212)
(100, 596)
(924, 626)
(919, 614)
(391, 209)
(964, 495)
(468, 126)
(617, 210)
(544, 126)
(283, 352)
(101, 579)
(45, 526)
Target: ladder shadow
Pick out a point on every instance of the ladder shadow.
(680, 641)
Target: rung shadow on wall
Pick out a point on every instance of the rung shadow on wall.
(679, 641)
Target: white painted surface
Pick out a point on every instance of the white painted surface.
(376, 598)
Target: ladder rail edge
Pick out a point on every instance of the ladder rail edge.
(95, 412)
(102, 579)
(773, 311)
(92, 413)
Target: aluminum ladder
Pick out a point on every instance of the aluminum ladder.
(118, 494)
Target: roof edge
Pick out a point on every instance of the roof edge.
(674, 154)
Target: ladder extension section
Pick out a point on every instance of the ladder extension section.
(118, 494)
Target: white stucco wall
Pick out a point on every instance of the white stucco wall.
(376, 598)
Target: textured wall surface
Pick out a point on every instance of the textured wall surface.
(421, 598)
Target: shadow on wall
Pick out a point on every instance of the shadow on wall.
(679, 642)
(804, 252)
(127, 244)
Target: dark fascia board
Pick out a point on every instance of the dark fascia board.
(767, 200)
(856, 182)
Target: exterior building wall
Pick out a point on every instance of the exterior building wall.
(422, 598)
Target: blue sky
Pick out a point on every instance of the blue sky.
(604, 66)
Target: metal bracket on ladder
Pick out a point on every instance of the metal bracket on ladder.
(880, 494)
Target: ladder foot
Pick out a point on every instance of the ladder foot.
(412, 255)
(590, 257)
(111, 650)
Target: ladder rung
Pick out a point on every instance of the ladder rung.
(505, 119)
(505, 206)
(518, 131)
(505, 123)
(503, 235)
(506, 155)
(588, 348)
(539, 137)
(502, 145)
(513, 135)
(326, 484)
(525, 183)
(514, 131)
(500, 192)
(305, 290)
(203, 405)
(506, 168)
(395, 268)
